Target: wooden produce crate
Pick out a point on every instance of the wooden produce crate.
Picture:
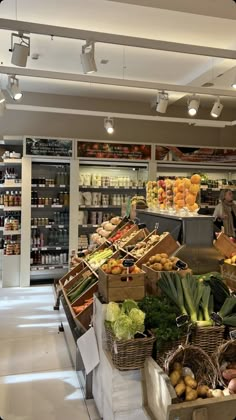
(166, 245)
(152, 277)
(134, 228)
(84, 273)
(116, 288)
(73, 272)
(140, 235)
(228, 272)
(120, 226)
(224, 245)
(84, 317)
(162, 401)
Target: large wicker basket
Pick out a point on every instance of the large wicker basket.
(226, 353)
(208, 338)
(163, 352)
(197, 360)
(129, 354)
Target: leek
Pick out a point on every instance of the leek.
(229, 307)
(171, 287)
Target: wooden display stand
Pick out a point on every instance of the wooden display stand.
(161, 400)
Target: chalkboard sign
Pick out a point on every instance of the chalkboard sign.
(48, 147)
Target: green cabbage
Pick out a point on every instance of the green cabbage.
(138, 318)
(113, 311)
(127, 305)
(123, 328)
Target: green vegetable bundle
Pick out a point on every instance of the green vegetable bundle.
(195, 296)
(125, 320)
(161, 319)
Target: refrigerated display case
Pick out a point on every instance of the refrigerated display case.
(49, 220)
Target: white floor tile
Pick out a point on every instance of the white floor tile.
(44, 395)
(34, 353)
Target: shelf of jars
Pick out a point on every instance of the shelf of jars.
(11, 162)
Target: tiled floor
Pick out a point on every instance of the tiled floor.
(37, 379)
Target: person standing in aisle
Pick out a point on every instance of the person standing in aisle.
(225, 213)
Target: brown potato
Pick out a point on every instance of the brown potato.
(152, 260)
(180, 388)
(190, 382)
(163, 255)
(157, 267)
(163, 261)
(175, 377)
(157, 258)
(167, 266)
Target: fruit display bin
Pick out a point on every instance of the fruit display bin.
(167, 245)
(152, 277)
(72, 273)
(225, 245)
(118, 287)
(140, 235)
(228, 272)
(83, 273)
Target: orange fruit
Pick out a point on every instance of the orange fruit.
(195, 179)
(190, 199)
(194, 188)
(179, 196)
(187, 183)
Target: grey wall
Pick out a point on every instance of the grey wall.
(75, 126)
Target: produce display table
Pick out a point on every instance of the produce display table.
(194, 230)
(118, 395)
(195, 233)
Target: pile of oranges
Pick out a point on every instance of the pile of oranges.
(186, 191)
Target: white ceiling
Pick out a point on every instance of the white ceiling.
(124, 62)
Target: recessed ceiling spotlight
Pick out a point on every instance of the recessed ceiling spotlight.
(20, 50)
(162, 102)
(13, 88)
(87, 58)
(109, 125)
(217, 108)
(193, 105)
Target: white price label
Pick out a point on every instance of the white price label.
(84, 226)
(40, 205)
(41, 185)
(44, 248)
(48, 226)
(62, 186)
(34, 206)
(51, 186)
(57, 205)
(61, 226)
(40, 268)
(58, 248)
(51, 268)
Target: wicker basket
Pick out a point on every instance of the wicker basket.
(208, 338)
(197, 360)
(167, 348)
(129, 354)
(226, 353)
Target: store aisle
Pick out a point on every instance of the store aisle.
(37, 380)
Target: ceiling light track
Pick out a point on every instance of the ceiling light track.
(109, 38)
(100, 80)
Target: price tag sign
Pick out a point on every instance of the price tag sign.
(62, 186)
(40, 268)
(40, 205)
(41, 185)
(84, 226)
(58, 248)
(61, 226)
(51, 268)
(182, 320)
(44, 248)
(48, 226)
(232, 335)
(34, 206)
(216, 318)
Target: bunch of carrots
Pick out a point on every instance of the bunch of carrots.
(79, 309)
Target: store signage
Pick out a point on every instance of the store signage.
(48, 147)
(113, 151)
(195, 154)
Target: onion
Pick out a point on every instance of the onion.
(232, 386)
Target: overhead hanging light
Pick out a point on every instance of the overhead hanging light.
(162, 102)
(13, 88)
(2, 97)
(109, 125)
(87, 58)
(217, 108)
(20, 50)
(193, 105)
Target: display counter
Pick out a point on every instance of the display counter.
(196, 230)
(195, 233)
